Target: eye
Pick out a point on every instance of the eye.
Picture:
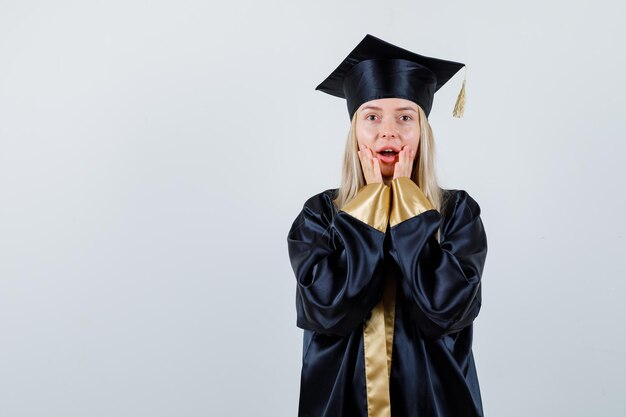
(407, 118)
(370, 115)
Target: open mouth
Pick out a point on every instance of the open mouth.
(388, 156)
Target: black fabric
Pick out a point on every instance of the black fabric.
(340, 264)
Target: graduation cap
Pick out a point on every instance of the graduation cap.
(377, 69)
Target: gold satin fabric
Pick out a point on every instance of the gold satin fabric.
(371, 205)
(408, 200)
(378, 347)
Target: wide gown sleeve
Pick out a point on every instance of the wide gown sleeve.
(337, 259)
(440, 280)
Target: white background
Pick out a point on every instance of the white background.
(153, 156)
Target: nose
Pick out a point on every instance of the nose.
(388, 129)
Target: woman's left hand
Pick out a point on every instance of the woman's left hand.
(405, 163)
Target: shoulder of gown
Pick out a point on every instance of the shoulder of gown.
(459, 208)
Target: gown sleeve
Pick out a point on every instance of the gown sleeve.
(440, 280)
(337, 259)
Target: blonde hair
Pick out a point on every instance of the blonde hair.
(423, 173)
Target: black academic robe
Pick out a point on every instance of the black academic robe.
(344, 263)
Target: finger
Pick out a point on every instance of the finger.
(365, 159)
(377, 170)
(405, 160)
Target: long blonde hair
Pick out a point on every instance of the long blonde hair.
(423, 173)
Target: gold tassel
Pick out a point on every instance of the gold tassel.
(459, 106)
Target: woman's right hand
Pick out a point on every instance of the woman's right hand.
(370, 165)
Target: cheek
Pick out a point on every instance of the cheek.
(365, 136)
(412, 138)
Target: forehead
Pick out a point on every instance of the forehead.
(390, 104)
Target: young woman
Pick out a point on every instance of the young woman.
(388, 265)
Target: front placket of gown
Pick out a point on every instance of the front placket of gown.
(373, 206)
(377, 346)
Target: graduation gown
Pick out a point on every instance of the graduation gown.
(387, 310)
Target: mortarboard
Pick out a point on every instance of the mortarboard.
(377, 69)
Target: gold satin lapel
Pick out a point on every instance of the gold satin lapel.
(377, 346)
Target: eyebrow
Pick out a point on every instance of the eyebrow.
(398, 109)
